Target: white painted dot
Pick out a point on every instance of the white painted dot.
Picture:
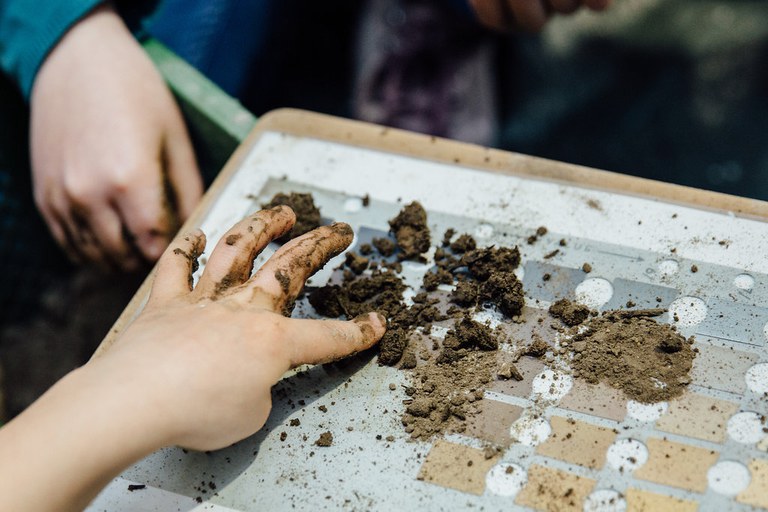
(757, 378)
(414, 267)
(484, 231)
(687, 311)
(669, 267)
(489, 317)
(530, 430)
(605, 500)
(413, 274)
(594, 292)
(627, 455)
(551, 385)
(744, 281)
(519, 272)
(353, 205)
(746, 428)
(728, 477)
(646, 412)
(506, 479)
(408, 295)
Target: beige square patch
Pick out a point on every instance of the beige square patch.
(697, 416)
(554, 490)
(721, 368)
(595, 399)
(493, 421)
(457, 467)
(577, 442)
(757, 492)
(676, 464)
(644, 501)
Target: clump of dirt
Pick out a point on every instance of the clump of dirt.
(325, 439)
(466, 335)
(630, 351)
(411, 231)
(571, 313)
(356, 263)
(463, 244)
(490, 277)
(303, 205)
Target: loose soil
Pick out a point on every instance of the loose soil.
(650, 362)
(627, 349)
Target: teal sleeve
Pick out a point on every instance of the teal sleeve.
(29, 29)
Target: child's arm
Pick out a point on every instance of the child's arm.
(194, 369)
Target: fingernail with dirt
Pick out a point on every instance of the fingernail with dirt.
(368, 328)
(343, 229)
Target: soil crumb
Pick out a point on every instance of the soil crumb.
(630, 351)
(411, 231)
(325, 439)
(571, 313)
(303, 205)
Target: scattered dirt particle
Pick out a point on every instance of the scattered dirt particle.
(586, 268)
(571, 313)
(509, 371)
(537, 348)
(325, 439)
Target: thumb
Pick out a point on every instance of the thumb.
(323, 341)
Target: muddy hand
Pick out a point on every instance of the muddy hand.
(112, 164)
(208, 355)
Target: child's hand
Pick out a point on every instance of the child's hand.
(108, 147)
(195, 368)
(208, 357)
(527, 15)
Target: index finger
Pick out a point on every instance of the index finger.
(279, 281)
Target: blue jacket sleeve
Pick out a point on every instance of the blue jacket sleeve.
(29, 29)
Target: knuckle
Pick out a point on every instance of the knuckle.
(80, 190)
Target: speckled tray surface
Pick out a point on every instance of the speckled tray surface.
(571, 445)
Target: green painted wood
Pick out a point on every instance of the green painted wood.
(217, 122)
